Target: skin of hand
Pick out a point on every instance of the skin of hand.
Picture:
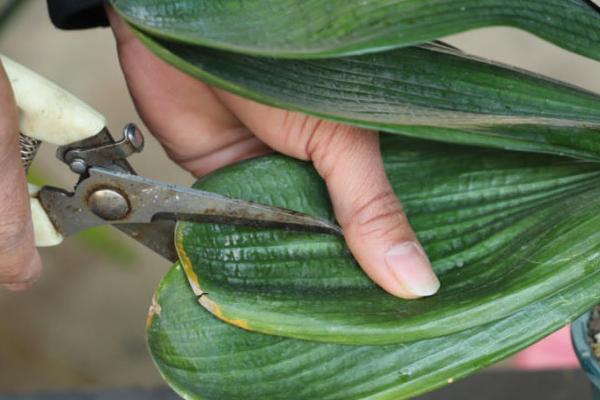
(203, 128)
(20, 262)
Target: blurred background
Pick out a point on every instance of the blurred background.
(82, 325)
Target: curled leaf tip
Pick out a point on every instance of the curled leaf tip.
(154, 310)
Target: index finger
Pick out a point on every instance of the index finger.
(19, 261)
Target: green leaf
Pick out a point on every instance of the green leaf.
(325, 28)
(8, 9)
(503, 230)
(204, 358)
(432, 92)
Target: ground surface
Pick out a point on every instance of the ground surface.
(497, 385)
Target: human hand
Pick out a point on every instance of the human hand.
(20, 263)
(203, 128)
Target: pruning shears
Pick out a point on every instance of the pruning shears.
(108, 190)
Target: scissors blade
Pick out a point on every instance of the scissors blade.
(148, 201)
(158, 236)
(152, 200)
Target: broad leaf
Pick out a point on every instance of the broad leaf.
(325, 28)
(432, 92)
(204, 358)
(497, 225)
(513, 236)
(503, 230)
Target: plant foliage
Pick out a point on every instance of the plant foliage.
(506, 208)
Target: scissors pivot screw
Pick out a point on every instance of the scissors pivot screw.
(78, 166)
(108, 204)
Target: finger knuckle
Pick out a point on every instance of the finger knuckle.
(379, 215)
(328, 143)
(21, 266)
(15, 272)
(293, 127)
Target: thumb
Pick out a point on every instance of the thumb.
(349, 159)
(375, 226)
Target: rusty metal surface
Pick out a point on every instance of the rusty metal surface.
(93, 151)
(110, 192)
(151, 201)
(158, 237)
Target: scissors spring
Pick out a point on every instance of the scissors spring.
(29, 148)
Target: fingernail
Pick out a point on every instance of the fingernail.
(411, 267)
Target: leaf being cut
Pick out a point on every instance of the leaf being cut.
(431, 92)
(204, 358)
(503, 230)
(326, 28)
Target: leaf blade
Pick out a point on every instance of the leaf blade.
(497, 226)
(471, 101)
(204, 358)
(338, 27)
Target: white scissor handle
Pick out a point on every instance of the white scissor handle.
(50, 114)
